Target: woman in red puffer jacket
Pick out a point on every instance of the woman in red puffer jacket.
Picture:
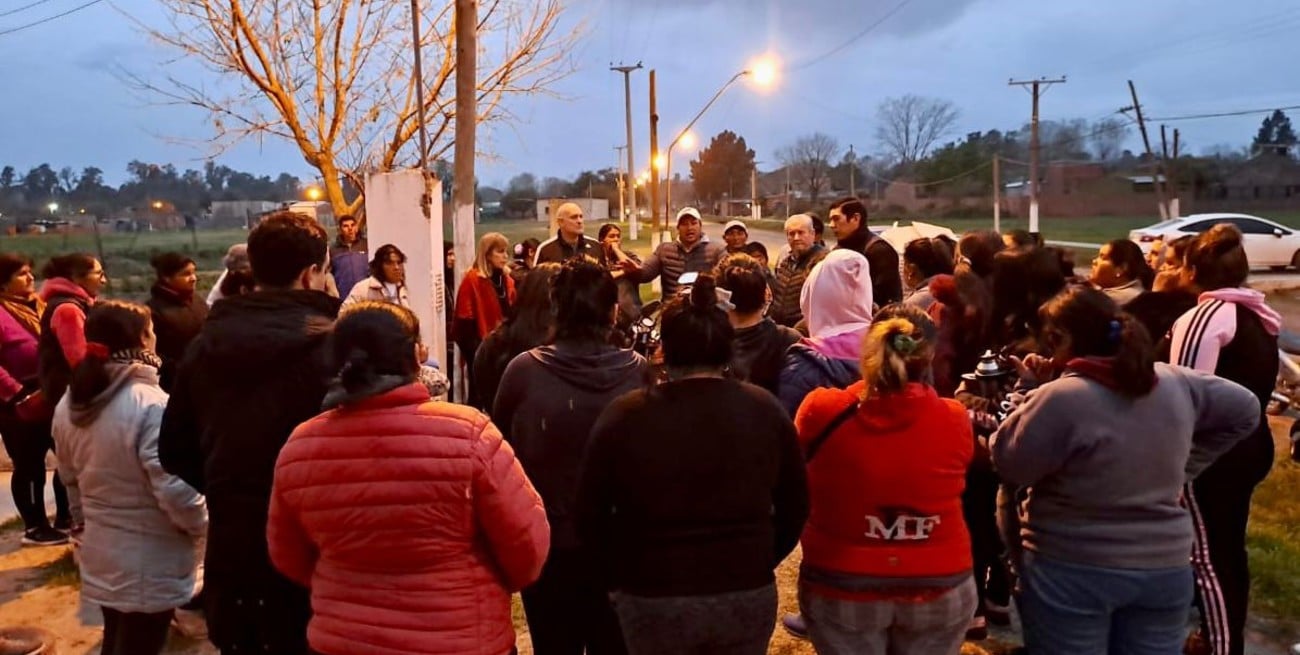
(409, 520)
(886, 554)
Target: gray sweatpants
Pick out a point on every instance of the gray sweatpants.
(736, 623)
(880, 627)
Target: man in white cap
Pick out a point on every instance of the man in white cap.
(736, 235)
(690, 253)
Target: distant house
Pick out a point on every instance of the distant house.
(239, 213)
(1265, 178)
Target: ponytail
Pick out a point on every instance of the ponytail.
(372, 341)
(1096, 327)
(1135, 373)
(695, 331)
(897, 350)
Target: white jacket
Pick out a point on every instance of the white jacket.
(372, 289)
(142, 524)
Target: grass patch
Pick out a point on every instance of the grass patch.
(12, 524)
(61, 572)
(1273, 542)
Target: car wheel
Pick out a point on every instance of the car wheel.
(1295, 260)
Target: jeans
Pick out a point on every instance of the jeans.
(877, 627)
(135, 633)
(1076, 609)
(733, 623)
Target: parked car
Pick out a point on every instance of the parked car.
(1268, 244)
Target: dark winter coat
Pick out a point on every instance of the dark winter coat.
(807, 369)
(349, 264)
(547, 402)
(886, 278)
(791, 273)
(62, 343)
(557, 250)
(176, 321)
(1157, 311)
(671, 260)
(758, 353)
(258, 368)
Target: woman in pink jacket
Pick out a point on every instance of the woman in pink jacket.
(409, 520)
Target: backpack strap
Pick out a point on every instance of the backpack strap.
(820, 439)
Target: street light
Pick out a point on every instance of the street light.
(53, 207)
(313, 193)
(157, 204)
(762, 71)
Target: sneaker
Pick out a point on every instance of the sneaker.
(63, 524)
(44, 537)
(978, 630)
(795, 625)
(999, 615)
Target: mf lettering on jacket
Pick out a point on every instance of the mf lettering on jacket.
(901, 527)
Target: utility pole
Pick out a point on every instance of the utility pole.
(622, 183)
(631, 159)
(1146, 142)
(997, 195)
(1175, 205)
(755, 210)
(466, 24)
(1036, 89)
(787, 191)
(654, 167)
(853, 169)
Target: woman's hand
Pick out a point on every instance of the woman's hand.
(1034, 369)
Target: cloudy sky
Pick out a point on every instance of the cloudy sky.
(62, 104)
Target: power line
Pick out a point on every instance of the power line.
(51, 18)
(855, 38)
(23, 8)
(1225, 114)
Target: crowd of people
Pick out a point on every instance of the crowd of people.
(911, 419)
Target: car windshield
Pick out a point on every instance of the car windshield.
(1166, 223)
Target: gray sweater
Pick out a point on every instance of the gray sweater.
(1102, 474)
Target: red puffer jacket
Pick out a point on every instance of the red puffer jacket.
(886, 485)
(411, 522)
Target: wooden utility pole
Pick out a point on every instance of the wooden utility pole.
(654, 167)
(1036, 87)
(1146, 143)
(631, 159)
(463, 214)
(853, 166)
(622, 183)
(997, 195)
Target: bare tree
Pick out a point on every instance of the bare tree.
(334, 77)
(909, 126)
(1108, 136)
(809, 159)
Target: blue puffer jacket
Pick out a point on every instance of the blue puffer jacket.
(807, 369)
(349, 264)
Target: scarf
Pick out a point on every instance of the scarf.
(27, 311)
(136, 356)
(1098, 369)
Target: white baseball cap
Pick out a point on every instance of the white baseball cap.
(689, 211)
(735, 224)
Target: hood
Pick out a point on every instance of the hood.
(837, 296)
(265, 330)
(1252, 300)
(845, 345)
(894, 412)
(84, 414)
(62, 286)
(591, 367)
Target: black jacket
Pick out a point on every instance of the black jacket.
(555, 249)
(791, 273)
(548, 399)
(693, 487)
(175, 322)
(886, 279)
(758, 353)
(52, 369)
(257, 369)
(1157, 311)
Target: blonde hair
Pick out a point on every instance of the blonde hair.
(486, 244)
(897, 351)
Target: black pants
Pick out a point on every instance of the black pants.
(27, 442)
(1219, 502)
(135, 633)
(979, 505)
(568, 609)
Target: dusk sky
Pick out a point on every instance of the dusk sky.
(62, 104)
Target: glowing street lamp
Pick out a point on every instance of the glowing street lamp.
(53, 207)
(157, 204)
(314, 193)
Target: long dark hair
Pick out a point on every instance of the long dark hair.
(1095, 327)
(584, 294)
(1024, 279)
(381, 257)
(1128, 256)
(116, 325)
(531, 321)
(931, 257)
(375, 339)
(695, 333)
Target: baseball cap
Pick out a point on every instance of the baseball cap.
(735, 224)
(689, 211)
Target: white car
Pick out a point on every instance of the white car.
(1268, 244)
